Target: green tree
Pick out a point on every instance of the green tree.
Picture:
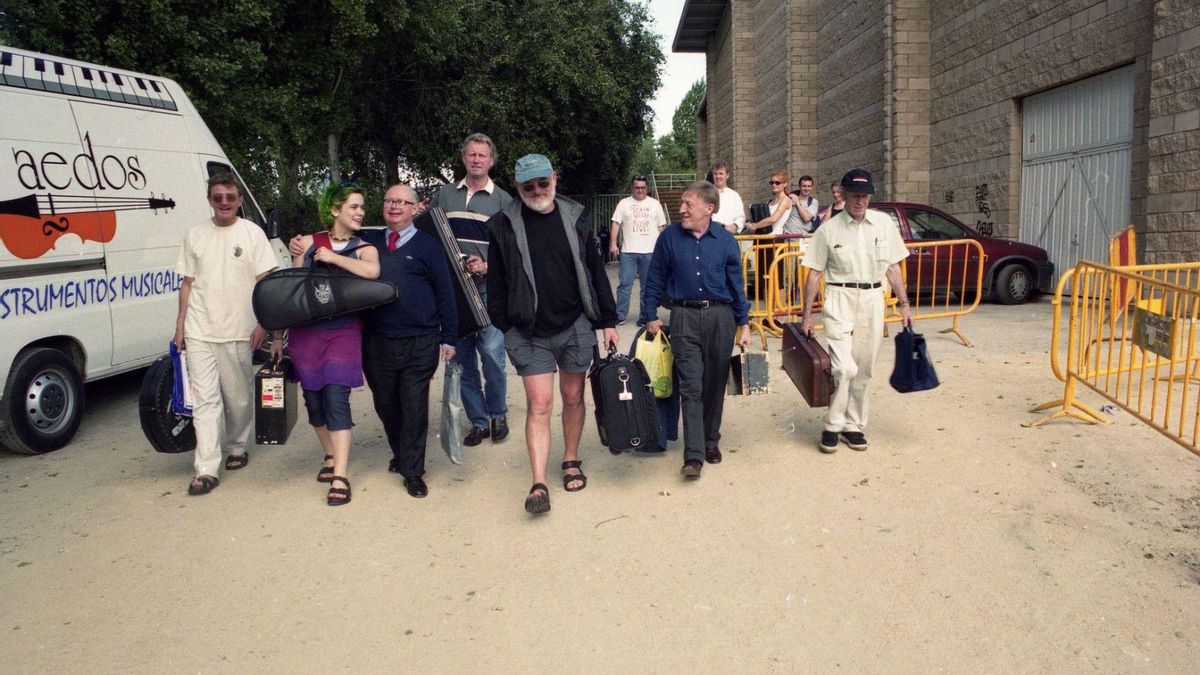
(298, 91)
(677, 150)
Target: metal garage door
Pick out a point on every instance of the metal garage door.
(1075, 167)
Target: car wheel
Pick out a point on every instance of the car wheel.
(43, 402)
(1013, 285)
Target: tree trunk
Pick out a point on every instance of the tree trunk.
(334, 169)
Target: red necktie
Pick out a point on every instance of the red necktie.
(393, 237)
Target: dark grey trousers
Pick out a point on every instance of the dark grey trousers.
(702, 341)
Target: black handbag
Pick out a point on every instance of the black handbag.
(300, 295)
(913, 371)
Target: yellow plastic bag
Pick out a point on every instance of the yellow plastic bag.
(654, 351)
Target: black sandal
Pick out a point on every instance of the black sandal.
(202, 485)
(538, 500)
(235, 462)
(338, 496)
(569, 478)
(325, 475)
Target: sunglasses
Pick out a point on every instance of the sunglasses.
(398, 202)
(218, 198)
(777, 182)
(533, 184)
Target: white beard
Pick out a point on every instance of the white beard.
(541, 205)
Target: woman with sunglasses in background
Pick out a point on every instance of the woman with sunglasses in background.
(327, 355)
(780, 210)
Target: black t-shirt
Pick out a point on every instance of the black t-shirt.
(559, 304)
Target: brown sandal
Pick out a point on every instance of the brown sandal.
(538, 500)
(325, 475)
(569, 478)
(338, 496)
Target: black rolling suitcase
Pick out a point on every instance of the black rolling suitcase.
(167, 431)
(626, 412)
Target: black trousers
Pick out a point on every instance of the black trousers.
(398, 371)
(702, 340)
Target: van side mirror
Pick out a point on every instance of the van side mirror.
(274, 224)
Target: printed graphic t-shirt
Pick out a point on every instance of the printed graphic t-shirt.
(640, 222)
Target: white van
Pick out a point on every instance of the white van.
(102, 172)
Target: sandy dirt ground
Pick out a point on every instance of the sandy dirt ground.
(960, 542)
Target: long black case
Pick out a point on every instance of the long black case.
(166, 431)
(275, 399)
(472, 313)
(626, 411)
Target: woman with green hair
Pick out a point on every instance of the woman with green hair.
(327, 355)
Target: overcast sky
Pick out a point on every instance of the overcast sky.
(680, 70)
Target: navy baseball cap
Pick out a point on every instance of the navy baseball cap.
(533, 166)
(858, 180)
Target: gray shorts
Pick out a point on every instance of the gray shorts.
(570, 349)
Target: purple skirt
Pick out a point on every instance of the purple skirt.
(324, 355)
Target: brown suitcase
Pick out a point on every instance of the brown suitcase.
(807, 363)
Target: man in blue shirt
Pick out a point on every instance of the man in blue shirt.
(700, 267)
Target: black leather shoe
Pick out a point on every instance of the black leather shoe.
(713, 455)
(393, 466)
(691, 468)
(476, 436)
(499, 429)
(416, 487)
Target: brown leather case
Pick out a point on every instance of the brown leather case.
(807, 363)
(748, 374)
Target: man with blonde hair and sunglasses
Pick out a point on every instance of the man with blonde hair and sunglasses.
(549, 293)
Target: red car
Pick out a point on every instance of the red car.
(1012, 272)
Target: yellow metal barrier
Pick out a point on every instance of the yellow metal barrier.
(1132, 339)
(944, 278)
(761, 278)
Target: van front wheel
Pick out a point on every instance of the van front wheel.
(43, 402)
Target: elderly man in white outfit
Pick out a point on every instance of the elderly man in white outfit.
(853, 253)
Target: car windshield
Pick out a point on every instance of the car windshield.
(926, 226)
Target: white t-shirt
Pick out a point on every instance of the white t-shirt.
(224, 263)
(640, 223)
(796, 225)
(730, 209)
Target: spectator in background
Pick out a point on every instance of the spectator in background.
(638, 219)
(838, 205)
(807, 210)
(731, 212)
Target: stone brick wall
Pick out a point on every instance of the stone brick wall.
(927, 95)
(1172, 232)
(986, 56)
(850, 112)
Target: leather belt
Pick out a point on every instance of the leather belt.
(854, 284)
(698, 304)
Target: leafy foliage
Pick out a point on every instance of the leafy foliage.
(299, 90)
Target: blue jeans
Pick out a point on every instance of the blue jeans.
(483, 404)
(631, 264)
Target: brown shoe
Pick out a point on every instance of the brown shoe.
(713, 455)
(691, 468)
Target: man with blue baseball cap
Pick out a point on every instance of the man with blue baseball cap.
(548, 292)
(853, 253)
